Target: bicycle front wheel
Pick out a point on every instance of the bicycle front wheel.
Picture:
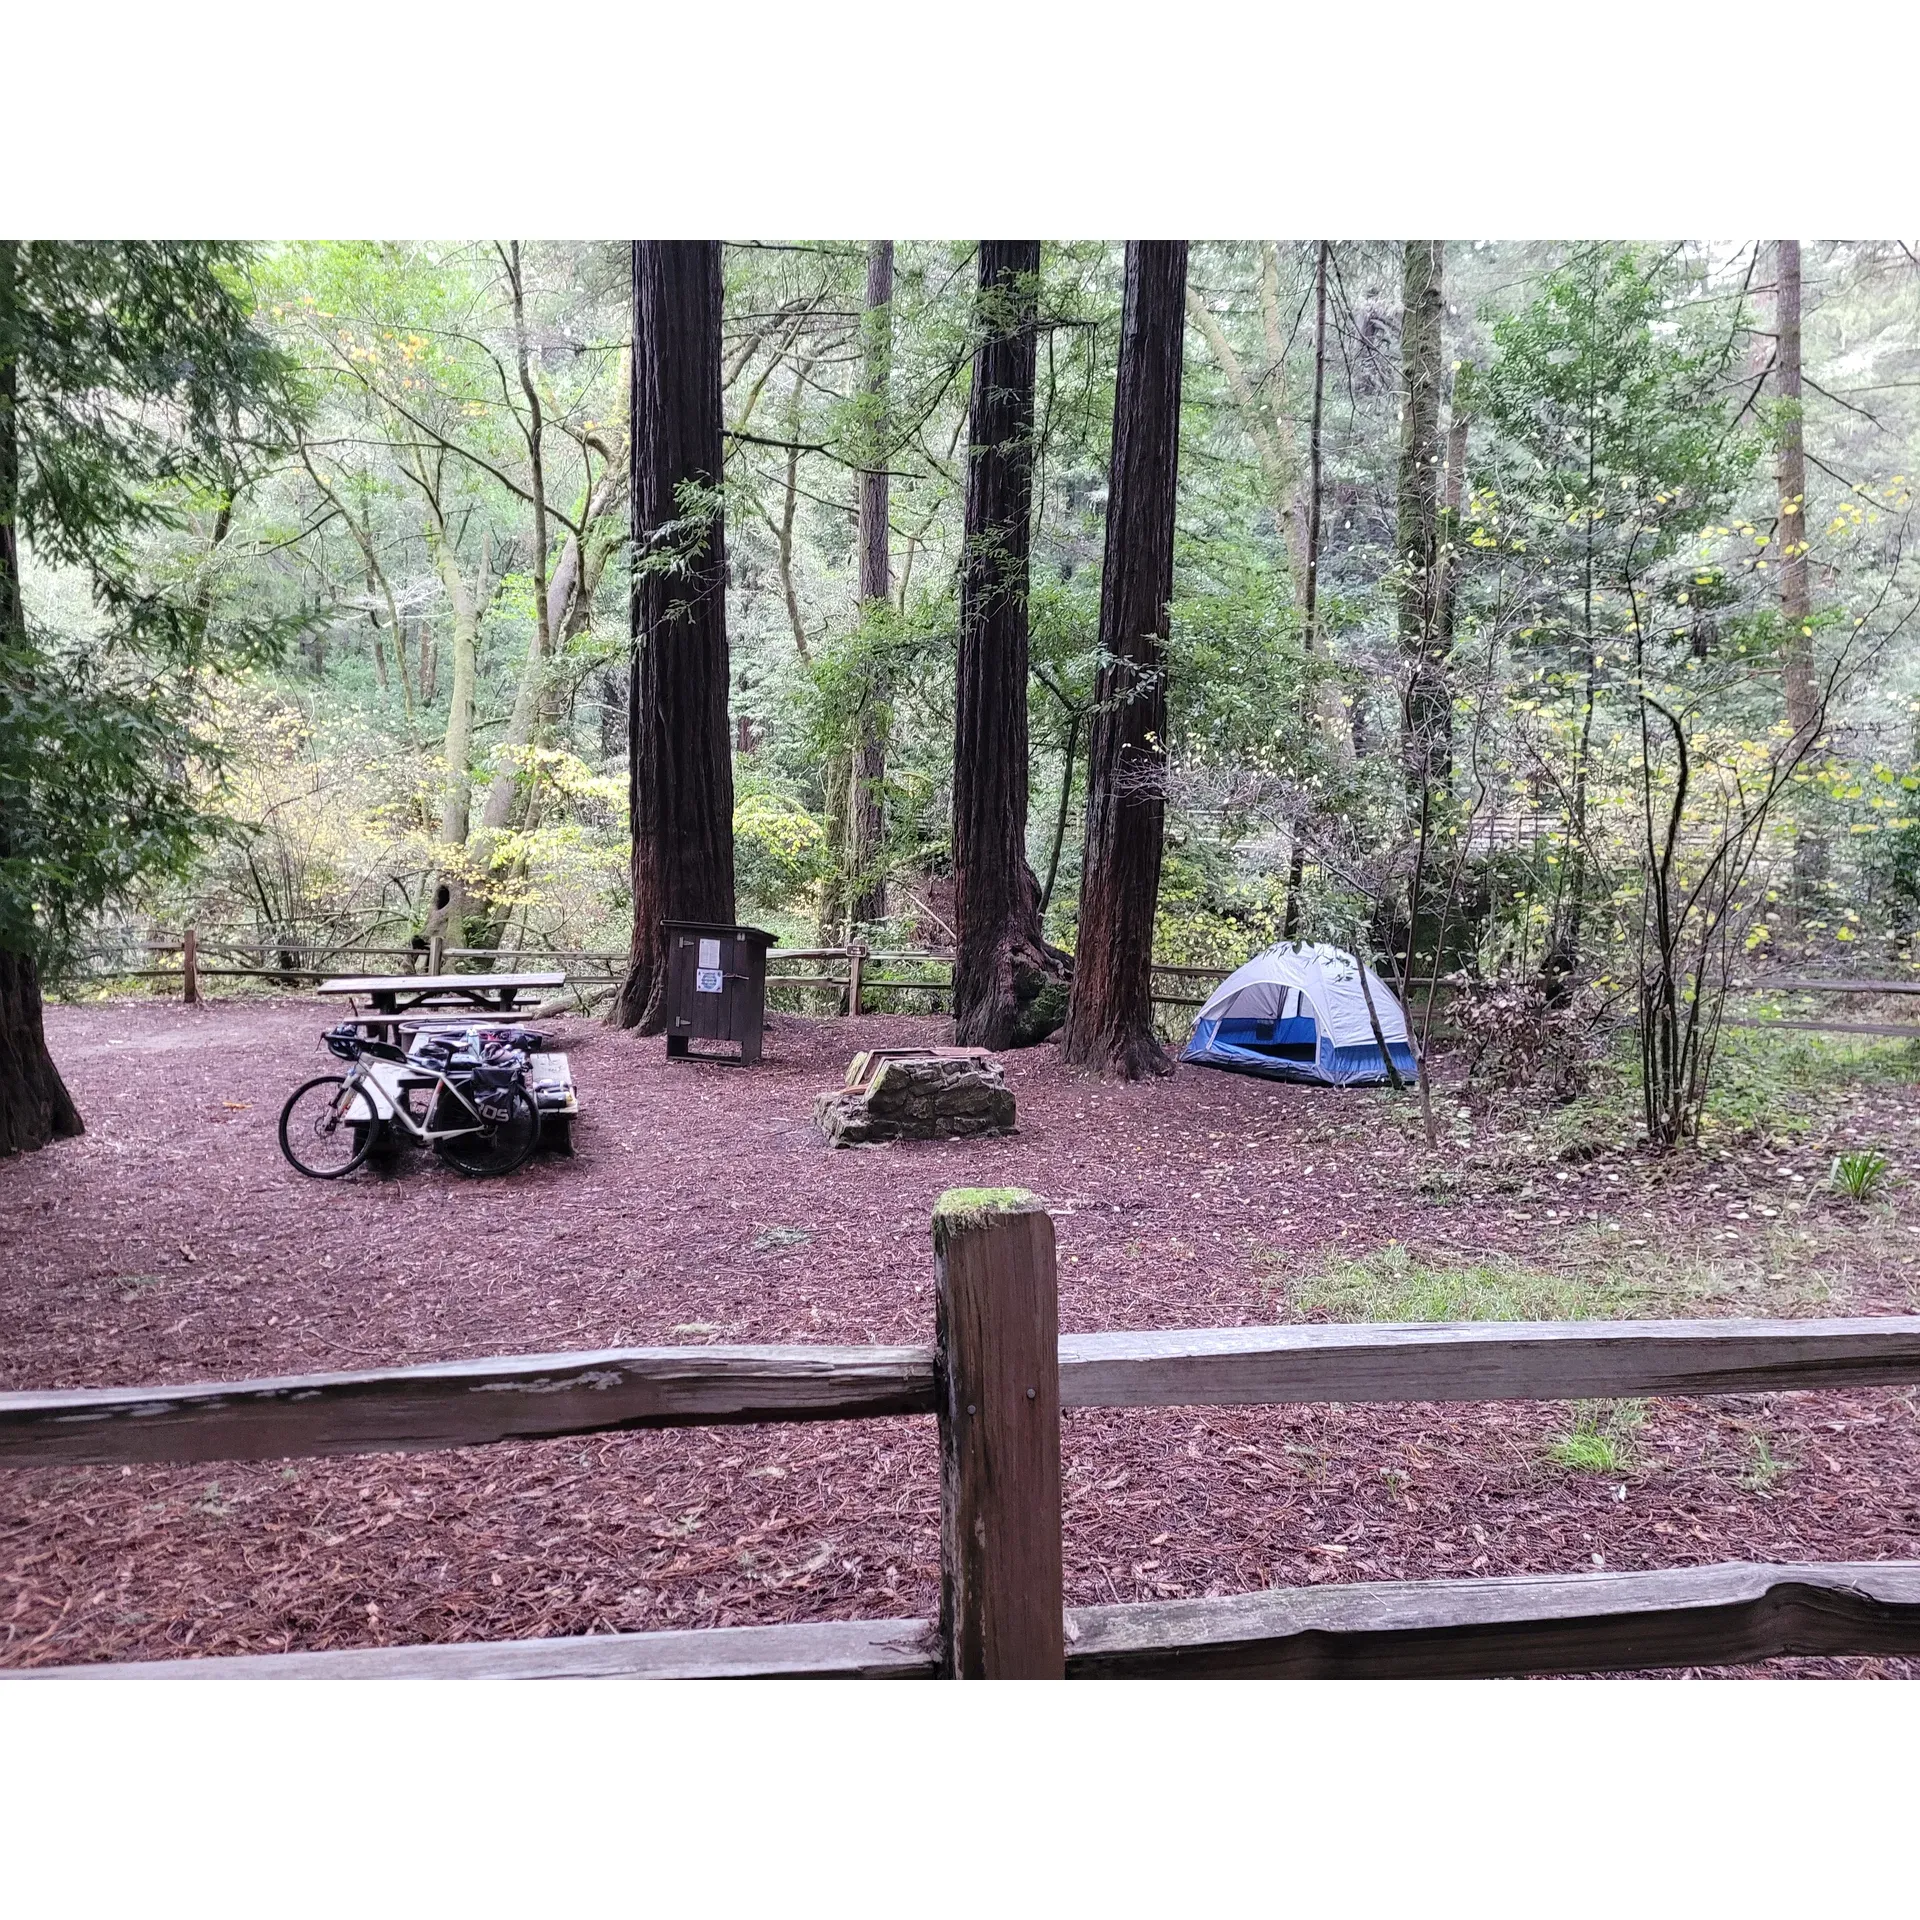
(502, 1146)
(327, 1127)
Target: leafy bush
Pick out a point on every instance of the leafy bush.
(1516, 1037)
(779, 850)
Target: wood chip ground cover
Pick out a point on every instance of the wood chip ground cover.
(173, 1243)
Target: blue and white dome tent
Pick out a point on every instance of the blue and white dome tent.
(1299, 1013)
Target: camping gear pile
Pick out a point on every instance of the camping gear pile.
(471, 1020)
(1311, 1013)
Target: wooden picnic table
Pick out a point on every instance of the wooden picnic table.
(391, 995)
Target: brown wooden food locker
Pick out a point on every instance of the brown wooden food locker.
(716, 986)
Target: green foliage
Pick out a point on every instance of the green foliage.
(1859, 1173)
(1395, 1284)
(1779, 1083)
(1601, 1439)
(144, 395)
(779, 849)
(1613, 433)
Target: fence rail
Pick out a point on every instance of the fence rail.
(302, 959)
(996, 1380)
(1499, 1628)
(549, 1396)
(298, 959)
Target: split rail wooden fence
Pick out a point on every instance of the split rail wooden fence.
(863, 972)
(854, 973)
(996, 1378)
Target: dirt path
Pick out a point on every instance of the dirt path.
(173, 1243)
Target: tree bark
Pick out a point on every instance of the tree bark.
(866, 822)
(1008, 984)
(469, 605)
(681, 780)
(1427, 732)
(1452, 500)
(1803, 702)
(510, 778)
(1110, 1021)
(1790, 475)
(35, 1106)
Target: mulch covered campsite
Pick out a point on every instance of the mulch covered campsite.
(173, 1243)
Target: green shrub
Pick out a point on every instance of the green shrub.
(779, 850)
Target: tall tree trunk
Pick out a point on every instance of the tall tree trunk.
(468, 607)
(1313, 648)
(379, 652)
(681, 779)
(1452, 500)
(790, 501)
(35, 1106)
(836, 789)
(1427, 733)
(1110, 1020)
(509, 774)
(1790, 474)
(1804, 714)
(1008, 984)
(866, 812)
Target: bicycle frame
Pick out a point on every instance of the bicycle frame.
(382, 1083)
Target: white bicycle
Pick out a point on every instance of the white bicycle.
(480, 1118)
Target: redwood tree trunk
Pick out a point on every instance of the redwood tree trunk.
(1427, 740)
(1110, 1023)
(867, 823)
(681, 779)
(1008, 985)
(35, 1106)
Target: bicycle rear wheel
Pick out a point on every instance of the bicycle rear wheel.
(327, 1127)
(501, 1147)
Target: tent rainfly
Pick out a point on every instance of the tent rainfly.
(1300, 1013)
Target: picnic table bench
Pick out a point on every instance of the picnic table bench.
(405, 1004)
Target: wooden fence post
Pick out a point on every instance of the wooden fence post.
(856, 953)
(436, 955)
(190, 967)
(998, 1392)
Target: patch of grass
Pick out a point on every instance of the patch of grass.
(1766, 1083)
(1859, 1173)
(1393, 1283)
(1765, 1466)
(1601, 1439)
(1779, 1083)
